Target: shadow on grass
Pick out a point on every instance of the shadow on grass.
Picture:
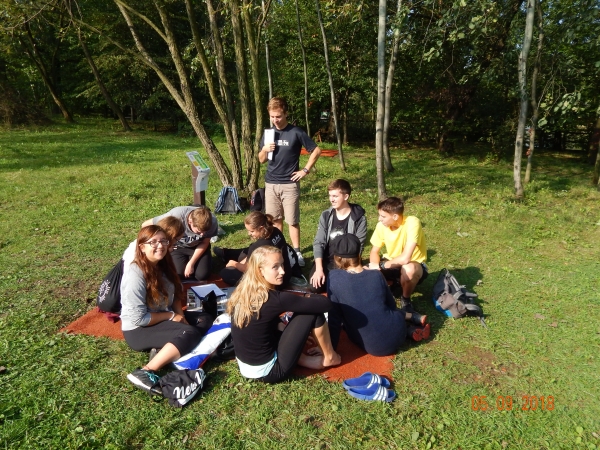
(421, 171)
(226, 223)
(57, 149)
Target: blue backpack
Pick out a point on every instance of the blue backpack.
(228, 201)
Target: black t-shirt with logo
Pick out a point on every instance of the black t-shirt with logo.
(289, 143)
(338, 227)
(276, 240)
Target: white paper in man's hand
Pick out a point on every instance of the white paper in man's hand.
(269, 139)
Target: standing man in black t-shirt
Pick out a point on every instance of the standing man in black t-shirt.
(342, 218)
(282, 180)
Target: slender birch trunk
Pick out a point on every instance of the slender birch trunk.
(252, 180)
(242, 84)
(594, 141)
(534, 100)
(331, 89)
(304, 69)
(219, 101)
(387, 160)
(381, 189)
(222, 75)
(267, 54)
(519, 192)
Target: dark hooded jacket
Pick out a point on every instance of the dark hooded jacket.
(357, 225)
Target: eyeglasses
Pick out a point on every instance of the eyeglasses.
(154, 243)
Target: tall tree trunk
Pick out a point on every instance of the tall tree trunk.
(222, 74)
(594, 142)
(304, 69)
(387, 160)
(345, 116)
(184, 98)
(252, 180)
(267, 55)
(35, 56)
(331, 89)
(107, 97)
(381, 189)
(535, 108)
(519, 193)
(218, 101)
(242, 83)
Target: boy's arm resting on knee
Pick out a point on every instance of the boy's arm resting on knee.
(405, 257)
(374, 258)
(198, 252)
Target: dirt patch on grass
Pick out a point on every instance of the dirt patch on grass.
(74, 289)
(488, 370)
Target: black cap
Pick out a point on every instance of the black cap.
(346, 246)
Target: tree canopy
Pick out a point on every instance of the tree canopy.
(203, 63)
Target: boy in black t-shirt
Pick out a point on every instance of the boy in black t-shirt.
(282, 187)
(342, 218)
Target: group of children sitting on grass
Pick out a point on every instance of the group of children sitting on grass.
(271, 326)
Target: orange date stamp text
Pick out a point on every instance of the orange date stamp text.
(506, 403)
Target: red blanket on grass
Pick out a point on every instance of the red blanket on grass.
(354, 360)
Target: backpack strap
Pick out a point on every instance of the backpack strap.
(475, 310)
(220, 200)
(238, 207)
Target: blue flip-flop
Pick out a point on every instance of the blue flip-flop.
(374, 393)
(366, 380)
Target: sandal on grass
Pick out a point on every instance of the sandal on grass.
(373, 393)
(419, 333)
(366, 380)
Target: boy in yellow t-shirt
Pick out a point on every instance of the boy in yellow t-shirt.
(406, 249)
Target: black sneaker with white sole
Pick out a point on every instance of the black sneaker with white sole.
(146, 380)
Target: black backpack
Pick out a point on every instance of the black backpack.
(109, 293)
(180, 386)
(293, 258)
(452, 298)
(228, 201)
(257, 201)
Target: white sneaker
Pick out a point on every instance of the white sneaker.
(301, 262)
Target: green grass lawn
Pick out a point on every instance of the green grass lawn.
(73, 197)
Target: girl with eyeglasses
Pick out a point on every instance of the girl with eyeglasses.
(152, 314)
(174, 230)
(263, 352)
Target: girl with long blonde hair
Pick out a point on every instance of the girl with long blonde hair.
(262, 351)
